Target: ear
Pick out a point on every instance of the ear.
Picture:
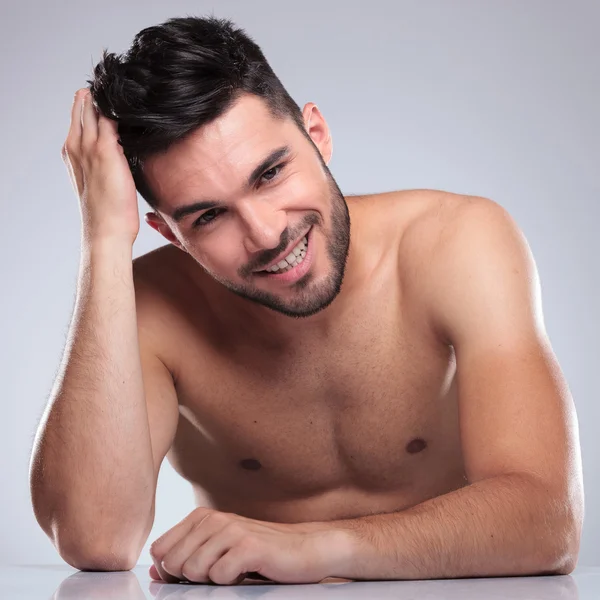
(158, 223)
(317, 129)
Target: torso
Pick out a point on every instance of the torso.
(365, 422)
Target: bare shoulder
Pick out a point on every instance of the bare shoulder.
(150, 268)
(417, 212)
(443, 231)
(440, 217)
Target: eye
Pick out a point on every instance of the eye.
(200, 222)
(269, 175)
(272, 172)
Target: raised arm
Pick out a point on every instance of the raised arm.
(112, 412)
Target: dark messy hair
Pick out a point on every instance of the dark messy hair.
(176, 77)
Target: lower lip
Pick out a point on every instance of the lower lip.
(298, 271)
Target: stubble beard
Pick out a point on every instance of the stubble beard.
(309, 296)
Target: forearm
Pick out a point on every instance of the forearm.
(91, 472)
(503, 526)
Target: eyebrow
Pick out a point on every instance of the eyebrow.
(183, 211)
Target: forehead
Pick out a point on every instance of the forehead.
(216, 158)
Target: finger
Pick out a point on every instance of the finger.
(162, 574)
(72, 143)
(233, 566)
(89, 123)
(198, 565)
(167, 540)
(107, 129)
(161, 546)
(176, 557)
(153, 572)
(72, 146)
(75, 129)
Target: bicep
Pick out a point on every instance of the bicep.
(516, 413)
(161, 404)
(159, 388)
(163, 413)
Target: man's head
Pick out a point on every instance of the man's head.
(203, 119)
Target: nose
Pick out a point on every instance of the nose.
(264, 225)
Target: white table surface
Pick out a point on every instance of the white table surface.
(62, 582)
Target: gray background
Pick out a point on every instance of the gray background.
(498, 99)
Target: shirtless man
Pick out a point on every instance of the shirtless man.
(389, 407)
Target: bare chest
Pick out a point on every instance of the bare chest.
(370, 412)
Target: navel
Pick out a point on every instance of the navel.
(251, 464)
(416, 445)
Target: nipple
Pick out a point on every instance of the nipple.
(416, 445)
(251, 464)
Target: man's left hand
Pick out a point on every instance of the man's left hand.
(210, 546)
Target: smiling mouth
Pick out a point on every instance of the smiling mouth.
(293, 258)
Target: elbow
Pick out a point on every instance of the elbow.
(565, 555)
(85, 555)
(567, 561)
(100, 561)
(563, 566)
(568, 566)
(94, 547)
(90, 547)
(563, 526)
(116, 558)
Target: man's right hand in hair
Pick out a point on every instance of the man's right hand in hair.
(100, 174)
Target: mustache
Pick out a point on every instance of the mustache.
(270, 255)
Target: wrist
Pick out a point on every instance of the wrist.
(103, 244)
(108, 257)
(345, 547)
(336, 548)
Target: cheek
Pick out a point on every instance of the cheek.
(306, 191)
(223, 258)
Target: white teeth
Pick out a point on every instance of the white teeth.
(287, 266)
(293, 258)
